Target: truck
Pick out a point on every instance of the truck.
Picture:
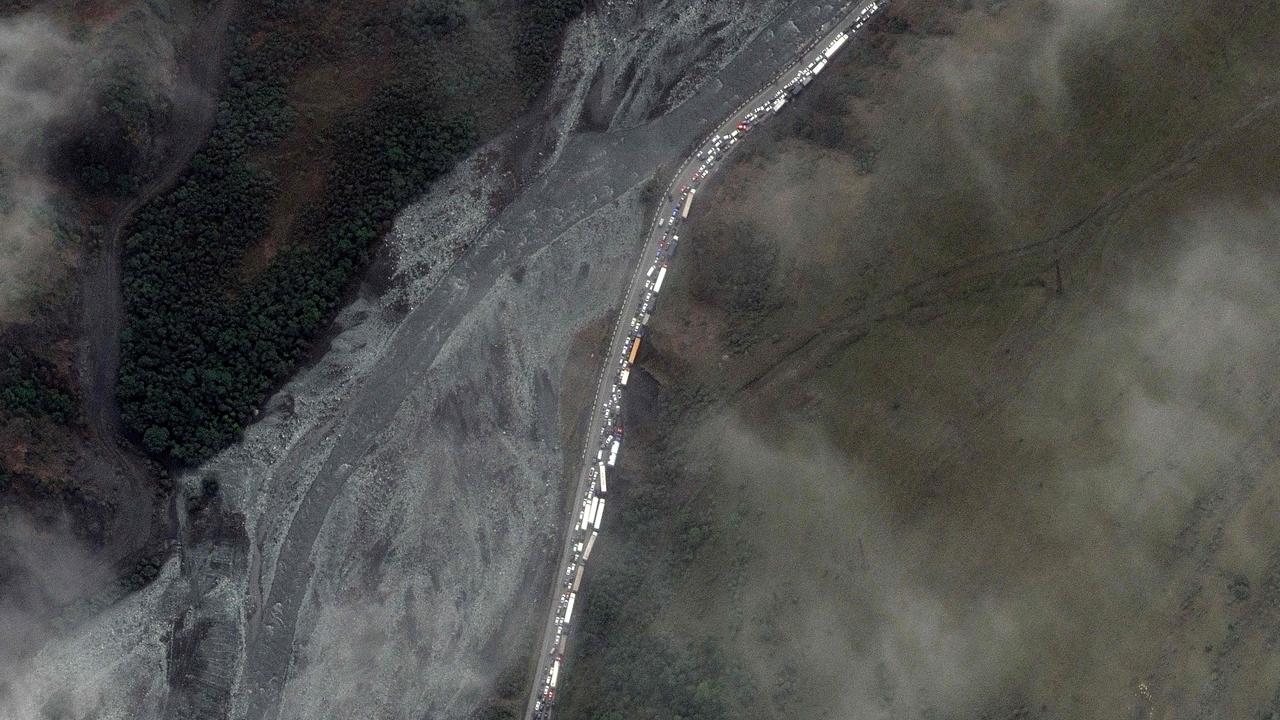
(604, 486)
(624, 376)
(821, 64)
(688, 201)
(594, 508)
(555, 672)
(613, 453)
(599, 513)
(835, 45)
(577, 579)
(591, 542)
(586, 516)
(635, 350)
(568, 609)
(657, 284)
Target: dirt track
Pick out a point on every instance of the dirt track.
(101, 299)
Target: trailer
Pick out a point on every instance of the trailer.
(821, 64)
(688, 201)
(568, 609)
(577, 580)
(591, 511)
(591, 542)
(586, 516)
(555, 672)
(599, 513)
(564, 640)
(657, 284)
(839, 42)
(613, 453)
(604, 488)
(635, 350)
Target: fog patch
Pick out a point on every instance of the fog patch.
(1013, 81)
(45, 574)
(1040, 562)
(107, 88)
(43, 81)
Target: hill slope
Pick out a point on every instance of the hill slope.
(960, 402)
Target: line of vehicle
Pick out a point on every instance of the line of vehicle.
(659, 248)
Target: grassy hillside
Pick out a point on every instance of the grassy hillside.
(962, 394)
(333, 117)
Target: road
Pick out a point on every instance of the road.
(606, 407)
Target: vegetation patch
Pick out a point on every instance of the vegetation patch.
(203, 344)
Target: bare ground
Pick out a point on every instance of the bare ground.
(372, 545)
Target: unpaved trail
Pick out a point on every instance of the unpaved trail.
(101, 298)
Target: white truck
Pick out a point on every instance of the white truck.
(604, 486)
(657, 284)
(688, 202)
(835, 45)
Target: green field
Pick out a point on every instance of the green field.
(964, 391)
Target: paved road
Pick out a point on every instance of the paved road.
(605, 408)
